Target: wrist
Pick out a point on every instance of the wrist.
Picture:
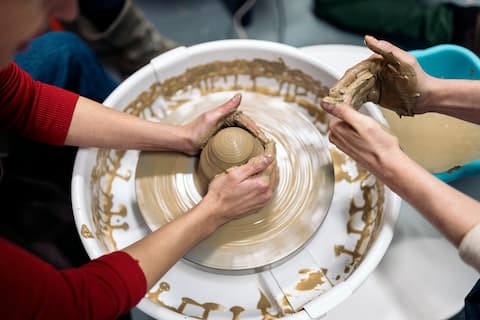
(210, 214)
(180, 139)
(429, 97)
(186, 141)
(389, 163)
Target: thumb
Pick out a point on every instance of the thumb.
(229, 106)
(343, 112)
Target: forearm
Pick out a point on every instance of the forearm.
(161, 249)
(453, 97)
(450, 211)
(94, 125)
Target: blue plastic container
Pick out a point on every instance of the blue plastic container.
(451, 62)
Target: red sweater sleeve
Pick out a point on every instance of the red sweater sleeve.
(104, 288)
(33, 109)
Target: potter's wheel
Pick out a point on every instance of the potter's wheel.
(323, 273)
(166, 188)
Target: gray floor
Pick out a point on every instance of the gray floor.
(288, 21)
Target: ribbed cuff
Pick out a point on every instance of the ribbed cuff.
(54, 114)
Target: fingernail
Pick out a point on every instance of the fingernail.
(327, 106)
(267, 158)
(237, 97)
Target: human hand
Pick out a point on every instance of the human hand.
(241, 190)
(239, 119)
(391, 78)
(362, 138)
(211, 164)
(204, 126)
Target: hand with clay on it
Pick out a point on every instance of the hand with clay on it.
(239, 119)
(391, 78)
(207, 124)
(362, 138)
(199, 131)
(241, 190)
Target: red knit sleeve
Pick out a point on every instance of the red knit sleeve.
(33, 109)
(105, 288)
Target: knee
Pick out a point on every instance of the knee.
(64, 45)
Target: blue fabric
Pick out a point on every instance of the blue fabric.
(64, 60)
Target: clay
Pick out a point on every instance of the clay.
(237, 140)
(230, 147)
(166, 186)
(384, 80)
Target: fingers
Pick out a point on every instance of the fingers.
(348, 78)
(225, 109)
(387, 50)
(356, 84)
(253, 166)
(239, 119)
(271, 172)
(214, 119)
(228, 107)
(359, 91)
(338, 130)
(342, 111)
(346, 113)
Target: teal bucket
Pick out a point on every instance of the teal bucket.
(451, 62)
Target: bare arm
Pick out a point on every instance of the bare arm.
(453, 97)
(241, 191)
(393, 78)
(94, 125)
(452, 212)
(230, 196)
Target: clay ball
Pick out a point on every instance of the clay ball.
(229, 147)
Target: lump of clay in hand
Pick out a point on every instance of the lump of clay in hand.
(230, 147)
(383, 79)
(236, 141)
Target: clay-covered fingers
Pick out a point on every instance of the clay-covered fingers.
(254, 166)
(398, 78)
(260, 173)
(390, 78)
(239, 119)
(230, 106)
(358, 85)
(208, 123)
(391, 53)
(242, 190)
(272, 170)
